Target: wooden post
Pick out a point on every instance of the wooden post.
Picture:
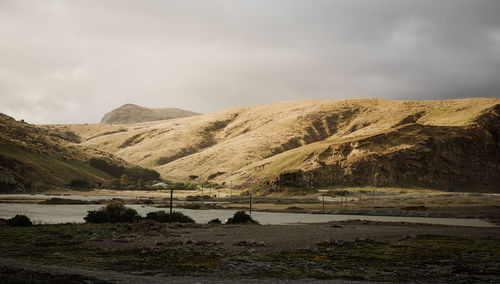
(171, 197)
(323, 203)
(251, 192)
(202, 195)
(231, 189)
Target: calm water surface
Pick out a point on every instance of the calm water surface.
(52, 214)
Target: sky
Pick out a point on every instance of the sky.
(73, 61)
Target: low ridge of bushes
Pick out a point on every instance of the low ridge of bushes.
(19, 221)
(112, 213)
(174, 217)
(118, 213)
(241, 217)
(215, 221)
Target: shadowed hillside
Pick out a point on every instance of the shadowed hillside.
(35, 158)
(130, 113)
(451, 144)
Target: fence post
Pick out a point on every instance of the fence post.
(323, 203)
(171, 197)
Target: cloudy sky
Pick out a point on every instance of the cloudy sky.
(73, 61)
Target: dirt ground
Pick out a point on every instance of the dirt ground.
(186, 253)
(359, 251)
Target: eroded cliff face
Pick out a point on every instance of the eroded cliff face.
(438, 156)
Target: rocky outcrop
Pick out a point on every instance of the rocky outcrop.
(414, 154)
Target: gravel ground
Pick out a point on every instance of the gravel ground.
(248, 241)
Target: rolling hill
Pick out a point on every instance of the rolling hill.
(452, 144)
(130, 113)
(34, 158)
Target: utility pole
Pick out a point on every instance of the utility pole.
(201, 195)
(251, 192)
(323, 203)
(171, 197)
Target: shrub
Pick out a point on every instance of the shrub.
(215, 221)
(182, 186)
(107, 166)
(19, 221)
(241, 217)
(214, 175)
(174, 217)
(79, 184)
(112, 213)
(117, 170)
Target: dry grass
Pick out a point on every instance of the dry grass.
(258, 142)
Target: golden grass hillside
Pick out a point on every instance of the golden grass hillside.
(452, 144)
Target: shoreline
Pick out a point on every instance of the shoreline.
(185, 199)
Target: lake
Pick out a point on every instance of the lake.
(53, 214)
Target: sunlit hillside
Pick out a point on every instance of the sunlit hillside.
(450, 144)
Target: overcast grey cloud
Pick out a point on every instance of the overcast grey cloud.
(72, 61)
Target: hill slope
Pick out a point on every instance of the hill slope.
(35, 158)
(130, 113)
(450, 144)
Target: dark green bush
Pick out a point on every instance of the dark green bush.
(215, 221)
(182, 186)
(117, 170)
(19, 221)
(79, 184)
(174, 217)
(112, 213)
(241, 217)
(214, 175)
(107, 166)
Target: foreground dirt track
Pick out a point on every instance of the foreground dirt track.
(153, 252)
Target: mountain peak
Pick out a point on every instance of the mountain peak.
(131, 113)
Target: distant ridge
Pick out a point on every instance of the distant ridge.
(451, 144)
(130, 113)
